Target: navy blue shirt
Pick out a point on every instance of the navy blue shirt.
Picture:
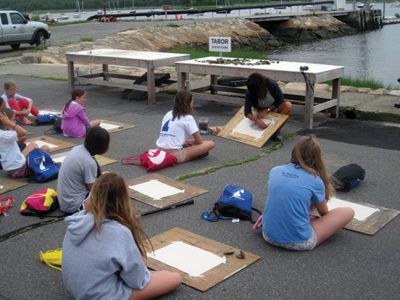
(273, 89)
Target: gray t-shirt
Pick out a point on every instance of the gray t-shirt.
(78, 169)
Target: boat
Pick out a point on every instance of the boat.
(308, 7)
(395, 4)
(77, 16)
(62, 18)
(223, 11)
(360, 5)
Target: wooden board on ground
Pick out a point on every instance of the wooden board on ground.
(102, 160)
(53, 143)
(112, 126)
(206, 260)
(368, 219)
(241, 129)
(161, 191)
(7, 184)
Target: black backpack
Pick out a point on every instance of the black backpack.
(347, 177)
(56, 126)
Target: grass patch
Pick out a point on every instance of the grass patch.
(40, 76)
(255, 157)
(172, 25)
(360, 83)
(170, 91)
(39, 48)
(241, 53)
(87, 39)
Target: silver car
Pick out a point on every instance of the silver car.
(15, 29)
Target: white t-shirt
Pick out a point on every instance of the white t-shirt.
(175, 132)
(11, 157)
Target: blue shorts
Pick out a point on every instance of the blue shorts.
(301, 246)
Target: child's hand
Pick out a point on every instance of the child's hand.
(260, 123)
(188, 144)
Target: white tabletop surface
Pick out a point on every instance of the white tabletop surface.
(274, 66)
(128, 54)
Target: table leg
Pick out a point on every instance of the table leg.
(151, 85)
(182, 77)
(71, 74)
(213, 81)
(336, 95)
(309, 106)
(105, 72)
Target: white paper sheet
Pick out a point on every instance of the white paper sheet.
(108, 126)
(362, 212)
(155, 189)
(51, 112)
(187, 258)
(248, 127)
(59, 158)
(42, 143)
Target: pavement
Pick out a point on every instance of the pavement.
(348, 266)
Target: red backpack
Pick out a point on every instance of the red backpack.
(152, 160)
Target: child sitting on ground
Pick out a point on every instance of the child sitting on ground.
(293, 190)
(22, 105)
(177, 125)
(107, 241)
(80, 169)
(13, 150)
(75, 122)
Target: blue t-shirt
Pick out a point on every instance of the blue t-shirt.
(291, 193)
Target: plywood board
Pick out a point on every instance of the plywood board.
(112, 126)
(177, 191)
(217, 267)
(102, 160)
(241, 129)
(53, 143)
(7, 184)
(369, 219)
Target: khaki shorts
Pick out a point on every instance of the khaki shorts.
(179, 153)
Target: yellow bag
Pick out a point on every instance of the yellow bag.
(52, 258)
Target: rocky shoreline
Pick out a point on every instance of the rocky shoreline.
(245, 35)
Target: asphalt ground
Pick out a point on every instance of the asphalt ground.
(348, 266)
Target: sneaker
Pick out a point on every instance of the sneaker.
(277, 137)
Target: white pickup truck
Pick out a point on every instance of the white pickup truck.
(15, 29)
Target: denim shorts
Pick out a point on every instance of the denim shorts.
(301, 246)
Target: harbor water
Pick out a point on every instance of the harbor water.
(371, 55)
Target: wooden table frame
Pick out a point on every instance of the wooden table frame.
(127, 58)
(285, 71)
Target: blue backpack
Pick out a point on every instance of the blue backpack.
(41, 166)
(46, 119)
(234, 203)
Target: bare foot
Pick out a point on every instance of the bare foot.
(26, 122)
(45, 148)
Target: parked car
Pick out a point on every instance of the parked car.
(15, 30)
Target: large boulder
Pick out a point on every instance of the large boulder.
(309, 28)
